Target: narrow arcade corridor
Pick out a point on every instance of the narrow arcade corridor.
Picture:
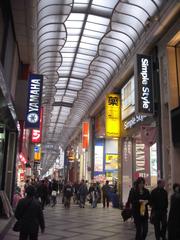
(84, 224)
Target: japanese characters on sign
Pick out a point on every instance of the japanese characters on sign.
(113, 115)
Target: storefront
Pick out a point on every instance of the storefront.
(106, 152)
(139, 143)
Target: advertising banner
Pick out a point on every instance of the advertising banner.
(33, 111)
(142, 164)
(144, 85)
(113, 115)
(85, 135)
(37, 133)
(37, 152)
(98, 158)
(111, 162)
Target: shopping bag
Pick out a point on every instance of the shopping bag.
(54, 193)
(17, 226)
(126, 214)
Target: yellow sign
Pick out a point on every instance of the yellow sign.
(113, 115)
(111, 161)
(37, 152)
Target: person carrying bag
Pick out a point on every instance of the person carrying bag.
(30, 216)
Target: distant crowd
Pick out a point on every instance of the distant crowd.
(47, 191)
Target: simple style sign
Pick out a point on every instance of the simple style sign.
(144, 85)
(33, 111)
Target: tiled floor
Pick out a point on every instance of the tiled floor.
(84, 224)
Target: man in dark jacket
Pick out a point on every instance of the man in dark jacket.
(139, 200)
(105, 191)
(159, 204)
(174, 214)
(30, 215)
(68, 193)
(83, 191)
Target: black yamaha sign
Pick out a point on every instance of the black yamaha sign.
(32, 119)
(144, 85)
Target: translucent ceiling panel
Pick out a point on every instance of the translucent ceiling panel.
(68, 99)
(87, 40)
(133, 10)
(129, 30)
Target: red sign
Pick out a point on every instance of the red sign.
(22, 176)
(37, 133)
(85, 135)
(22, 158)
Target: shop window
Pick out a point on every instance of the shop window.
(128, 99)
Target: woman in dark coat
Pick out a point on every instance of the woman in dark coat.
(174, 214)
(139, 199)
(30, 215)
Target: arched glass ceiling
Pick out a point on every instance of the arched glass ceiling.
(81, 46)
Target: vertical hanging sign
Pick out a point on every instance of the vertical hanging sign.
(144, 85)
(113, 115)
(32, 119)
(85, 135)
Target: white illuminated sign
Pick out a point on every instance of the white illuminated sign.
(133, 121)
(98, 158)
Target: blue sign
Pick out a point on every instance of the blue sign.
(32, 119)
(36, 149)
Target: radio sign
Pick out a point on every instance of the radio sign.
(144, 85)
(34, 101)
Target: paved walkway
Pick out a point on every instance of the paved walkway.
(84, 224)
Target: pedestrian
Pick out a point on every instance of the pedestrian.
(43, 193)
(68, 193)
(95, 195)
(54, 188)
(16, 197)
(174, 214)
(105, 191)
(139, 200)
(30, 216)
(159, 205)
(83, 193)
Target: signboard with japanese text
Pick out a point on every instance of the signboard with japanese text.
(112, 115)
(32, 118)
(37, 133)
(144, 85)
(85, 135)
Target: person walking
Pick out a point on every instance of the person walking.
(43, 193)
(68, 193)
(54, 188)
(29, 214)
(95, 195)
(105, 191)
(159, 205)
(83, 193)
(139, 200)
(174, 214)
